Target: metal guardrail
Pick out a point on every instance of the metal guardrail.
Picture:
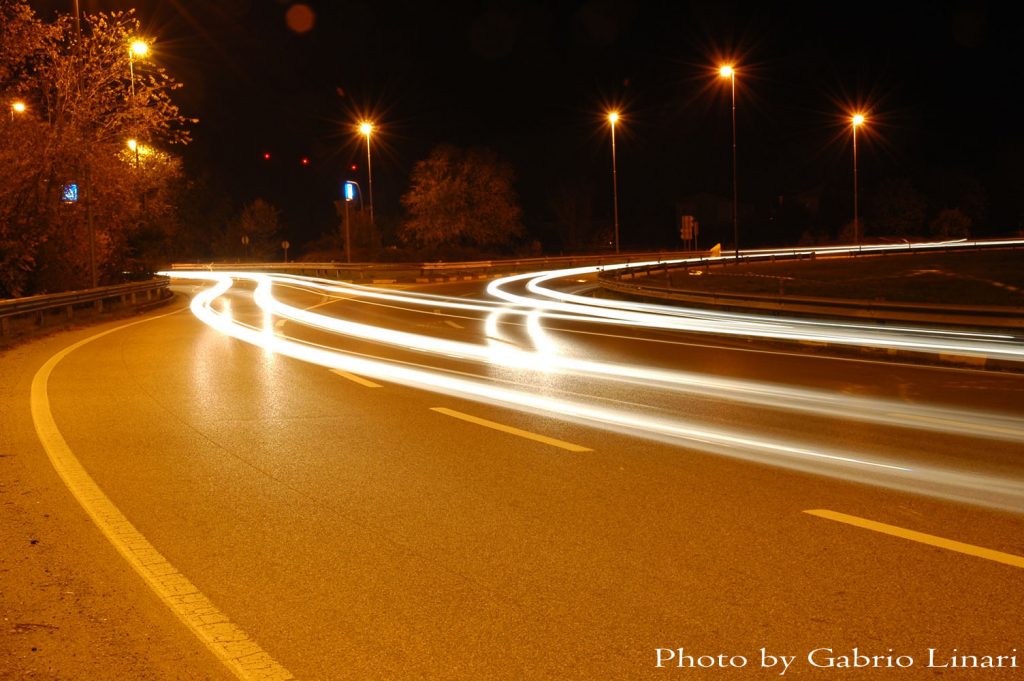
(989, 316)
(66, 302)
(430, 271)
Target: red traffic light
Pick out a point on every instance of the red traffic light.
(305, 161)
(266, 156)
(353, 167)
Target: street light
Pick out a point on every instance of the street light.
(856, 121)
(613, 118)
(366, 128)
(134, 146)
(727, 71)
(18, 107)
(137, 48)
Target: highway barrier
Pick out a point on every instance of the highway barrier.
(40, 310)
(986, 316)
(432, 272)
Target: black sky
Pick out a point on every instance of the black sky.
(531, 80)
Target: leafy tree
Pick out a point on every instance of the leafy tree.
(573, 210)
(951, 223)
(950, 188)
(897, 208)
(461, 198)
(80, 113)
(260, 221)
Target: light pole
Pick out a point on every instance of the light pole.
(856, 120)
(134, 146)
(613, 118)
(141, 49)
(729, 72)
(137, 48)
(366, 128)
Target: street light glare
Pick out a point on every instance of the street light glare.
(133, 145)
(366, 128)
(18, 107)
(613, 117)
(726, 71)
(858, 119)
(140, 48)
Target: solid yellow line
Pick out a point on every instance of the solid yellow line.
(355, 379)
(509, 429)
(231, 645)
(930, 539)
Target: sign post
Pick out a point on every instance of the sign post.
(349, 195)
(688, 231)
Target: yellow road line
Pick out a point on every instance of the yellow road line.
(231, 645)
(921, 537)
(355, 379)
(509, 429)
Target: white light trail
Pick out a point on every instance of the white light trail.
(498, 348)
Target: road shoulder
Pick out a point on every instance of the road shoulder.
(72, 608)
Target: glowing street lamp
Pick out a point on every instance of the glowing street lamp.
(727, 71)
(18, 107)
(137, 48)
(856, 121)
(133, 145)
(613, 118)
(366, 128)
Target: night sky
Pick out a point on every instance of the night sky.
(940, 82)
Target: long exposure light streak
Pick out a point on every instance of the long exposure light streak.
(500, 349)
(502, 352)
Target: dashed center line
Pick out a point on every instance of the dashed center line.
(536, 437)
(921, 537)
(355, 379)
(454, 325)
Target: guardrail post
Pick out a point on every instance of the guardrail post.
(5, 326)
(99, 305)
(71, 312)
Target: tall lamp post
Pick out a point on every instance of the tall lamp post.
(856, 121)
(613, 118)
(133, 145)
(366, 128)
(137, 48)
(729, 72)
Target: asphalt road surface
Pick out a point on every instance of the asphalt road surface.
(542, 497)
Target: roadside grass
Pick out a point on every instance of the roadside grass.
(970, 278)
